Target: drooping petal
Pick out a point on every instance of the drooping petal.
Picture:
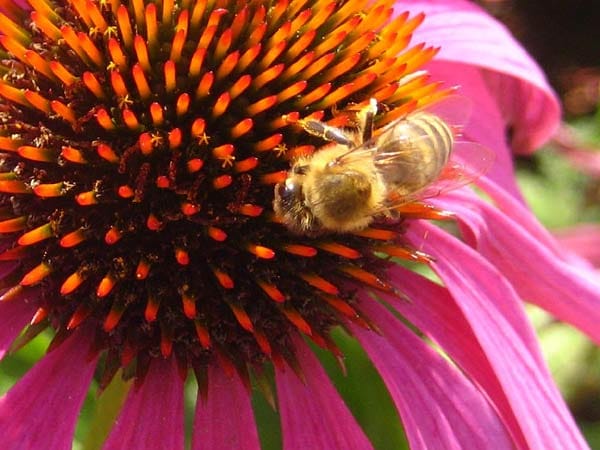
(313, 415)
(490, 305)
(225, 420)
(522, 216)
(14, 315)
(518, 212)
(515, 245)
(40, 411)
(439, 406)
(152, 416)
(583, 239)
(486, 125)
(433, 311)
(467, 35)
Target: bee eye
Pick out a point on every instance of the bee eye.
(289, 192)
(299, 170)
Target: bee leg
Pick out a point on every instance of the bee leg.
(367, 117)
(324, 131)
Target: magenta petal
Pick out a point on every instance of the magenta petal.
(515, 245)
(516, 211)
(433, 311)
(467, 35)
(152, 416)
(522, 216)
(225, 420)
(493, 311)
(14, 315)
(531, 110)
(485, 126)
(313, 415)
(439, 406)
(583, 239)
(40, 411)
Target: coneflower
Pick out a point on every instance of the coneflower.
(141, 143)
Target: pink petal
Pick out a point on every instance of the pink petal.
(537, 271)
(439, 406)
(152, 416)
(517, 212)
(522, 216)
(40, 411)
(486, 126)
(433, 311)
(225, 420)
(14, 315)
(495, 315)
(313, 415)
(583, 239)
(467, 35)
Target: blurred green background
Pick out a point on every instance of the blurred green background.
(564, 36)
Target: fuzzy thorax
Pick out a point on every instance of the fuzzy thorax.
(343, 197)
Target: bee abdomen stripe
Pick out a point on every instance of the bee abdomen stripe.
(430, 132)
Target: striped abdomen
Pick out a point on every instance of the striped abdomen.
(412, 152)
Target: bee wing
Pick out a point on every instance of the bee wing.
(358, 153)
(378, 148)
(455, 110)
(392, 152)
(468, 162)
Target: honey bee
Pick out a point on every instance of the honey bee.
(362, 175)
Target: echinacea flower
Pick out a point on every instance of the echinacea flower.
(140, 146)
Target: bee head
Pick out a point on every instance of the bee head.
(289, 204)
(289, 193)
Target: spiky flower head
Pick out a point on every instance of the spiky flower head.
(140, 146)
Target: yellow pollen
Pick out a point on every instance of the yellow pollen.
(203, 139)
(280, 150)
